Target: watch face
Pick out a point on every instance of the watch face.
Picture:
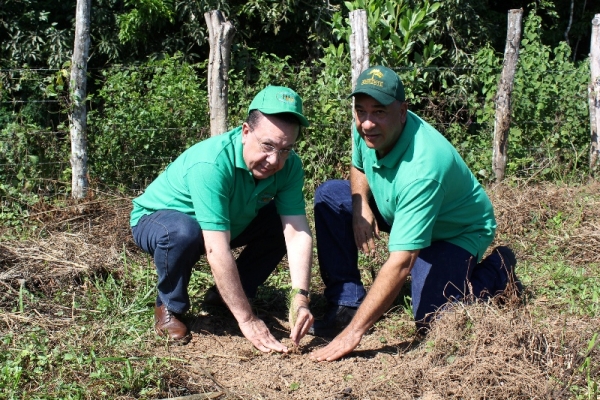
(303, 292)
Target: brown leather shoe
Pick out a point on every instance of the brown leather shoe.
(168, 323)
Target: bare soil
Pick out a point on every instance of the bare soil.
(517, 348)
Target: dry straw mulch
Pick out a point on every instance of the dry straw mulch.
(494, 351)
(76, 239)
(482, 351)
(536, 218)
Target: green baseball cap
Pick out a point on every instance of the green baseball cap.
(277, 100)
(381, 83)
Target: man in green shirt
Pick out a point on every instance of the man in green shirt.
(408, 180)
(242, 188)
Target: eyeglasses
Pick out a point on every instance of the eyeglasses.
(270, 150)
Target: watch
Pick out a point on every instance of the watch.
(303, 292)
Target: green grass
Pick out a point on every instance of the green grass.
(91, 342)
(571, 290)
(92, 337)
(105, 348)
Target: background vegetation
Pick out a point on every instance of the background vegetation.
(77, 296)
(147, 84)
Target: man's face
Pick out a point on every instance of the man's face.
(380, 126)
(267, 147)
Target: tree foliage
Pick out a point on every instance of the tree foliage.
(35, 33)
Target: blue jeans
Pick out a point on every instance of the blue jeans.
(176, 243)
(442, 272)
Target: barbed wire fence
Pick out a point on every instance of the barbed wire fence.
(58, 134)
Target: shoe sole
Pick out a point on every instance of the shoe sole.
(177, 342)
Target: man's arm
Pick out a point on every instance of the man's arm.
(380, 297)
(228, 282)
(364, 223)
(298, 240)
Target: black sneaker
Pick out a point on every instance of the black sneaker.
(335, 320)
(506, 260)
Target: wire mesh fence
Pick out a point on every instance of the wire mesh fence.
(35, 148)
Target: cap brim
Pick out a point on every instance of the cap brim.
(303, 121)
(383, 98)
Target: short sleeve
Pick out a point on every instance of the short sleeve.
(210, 191)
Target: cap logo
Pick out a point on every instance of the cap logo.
(375, 73)
(286, 97)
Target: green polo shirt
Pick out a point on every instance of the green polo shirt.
(211, 182)
(426, 192)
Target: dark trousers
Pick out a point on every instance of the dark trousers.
(442, 272)
(176, 243)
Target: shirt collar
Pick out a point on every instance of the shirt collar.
(239, 149)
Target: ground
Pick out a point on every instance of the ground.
(540, 345)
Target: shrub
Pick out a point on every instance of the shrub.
(550, 125)
(148, 116)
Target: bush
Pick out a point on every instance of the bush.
(549, 132)
(148, 116)
(33, 159)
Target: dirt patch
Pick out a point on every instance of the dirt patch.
(476, 351)
(498, 350)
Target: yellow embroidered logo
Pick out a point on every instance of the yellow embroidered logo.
(286, 97)
(372, 81)
(376, 73)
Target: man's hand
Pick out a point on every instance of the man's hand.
(257, 332)
(343, 344)
(386, 287)
(298, 240)
(364, 223)
(365, 228)
(303, 317)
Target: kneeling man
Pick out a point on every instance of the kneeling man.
(408, 180)
(241, 188)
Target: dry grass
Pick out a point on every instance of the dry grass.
(504, 349)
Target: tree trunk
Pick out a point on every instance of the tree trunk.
(505, 87)
(78, 117)
(220, 36)
(594, 95)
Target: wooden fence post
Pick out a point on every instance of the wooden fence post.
(505, 87)
(359, 43)
(78, 116)
(359, 51)
(594, 95)
(220, 37)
